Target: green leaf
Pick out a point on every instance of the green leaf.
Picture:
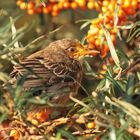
(118, 90)
(36, 101)
(67, 134)
(58, 136)
(3, 117)
(101, 84)
(130, 84)
(134, 31)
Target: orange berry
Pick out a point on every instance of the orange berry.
(45, 10)
(105, 47)
(55, 7)
(23, 6)
(111, 60)
(108, 26)
(43, 115)
(81, 3)
(111, 6)
(49, 7)
(60, 5)
(102, 73)
(121, 13)
(30, 11)
(104, 50)
(103, 53)
(74, 5)
(66, 5)
(134, 3)
(97, 6)
(104, 9)
(38, 10)
(127, 4)
(94, 31)
(130, 11)
(97, 42)
(18, 2)
(113, 38)
(54, 13)
(91, 39)
(92, 26)
(107, 20)
(104, 67)
(14, 134)
(101, 32)
(100, 16)
(105, 3)
(91, 5)
(91, 125)
(96, 22)
(34, 121)
(91, 46)
(30, 5)
(113, 31)
(138, 5)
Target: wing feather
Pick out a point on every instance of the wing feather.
(40, 72)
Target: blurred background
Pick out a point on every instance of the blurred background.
(66, 21)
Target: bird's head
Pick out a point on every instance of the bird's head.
(74, 48)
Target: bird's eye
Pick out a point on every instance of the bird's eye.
(72, 49)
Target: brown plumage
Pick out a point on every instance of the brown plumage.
(56, 70)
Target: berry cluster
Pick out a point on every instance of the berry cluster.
(111, 12)
(54, 7)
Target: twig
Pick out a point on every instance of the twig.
(85, 132)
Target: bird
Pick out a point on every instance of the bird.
(57, 70)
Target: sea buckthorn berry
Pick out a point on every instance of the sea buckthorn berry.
(23, 6)
(74, 5)
(91, 39)
(111, 6)
(91, 125)
(54, 13)
(66, 5)
(14, 134)
(105, 3)
(134, 3)
(34, 122)
(90, 5)
(81, 3)
(30, 11)
(45, 10)
(30, 5)
(38, 10)
(19, 2)
(113, 37)
(127, 4)
(55, 7)
(60, 5)
(104, 9)
(94, 31)
(97, 42)
(101, 32)
(97, 6)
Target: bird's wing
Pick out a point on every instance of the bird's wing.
(40, 72)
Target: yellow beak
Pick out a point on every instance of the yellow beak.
(83, 51)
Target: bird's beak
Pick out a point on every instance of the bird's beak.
(83, 51)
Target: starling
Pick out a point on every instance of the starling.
(57, 70)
